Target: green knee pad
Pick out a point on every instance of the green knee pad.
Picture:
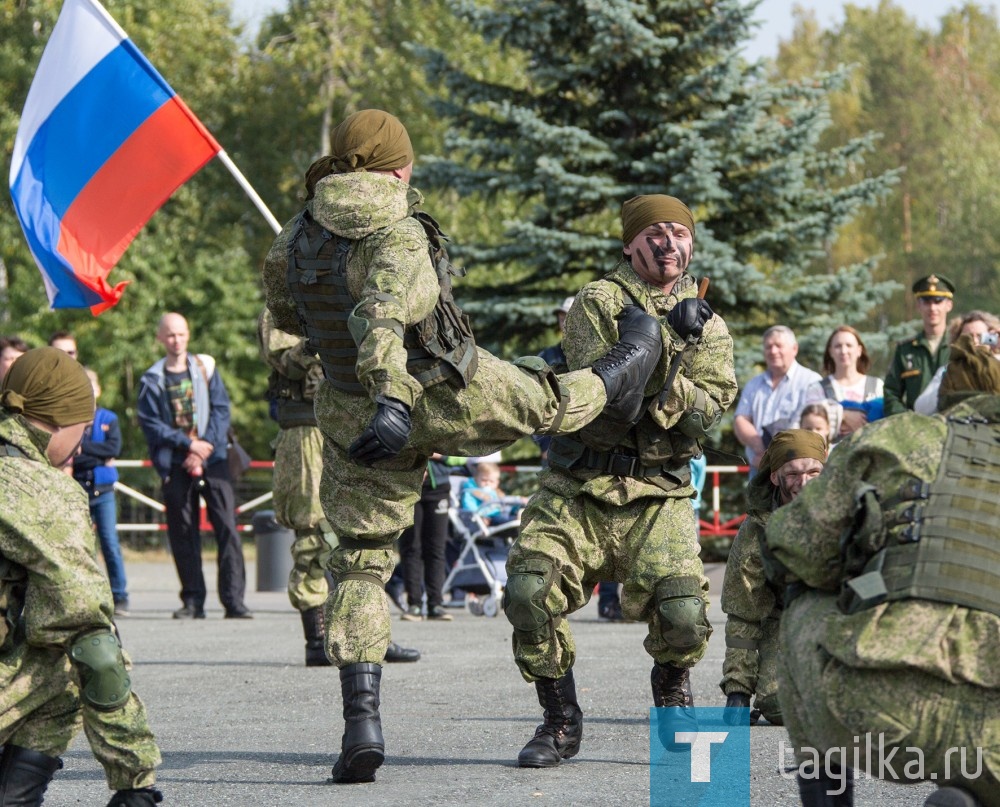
(104, 681)
(525, 596)
(683, 621)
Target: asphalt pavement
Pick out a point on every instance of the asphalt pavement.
(241, 721)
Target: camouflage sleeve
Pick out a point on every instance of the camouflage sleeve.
(274, 277)
(893, 386)
(745, 592)
(591, 328)
(284, 352)
(45, 528)
(400, 289)
(706, 383)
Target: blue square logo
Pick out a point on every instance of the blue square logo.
(704, 762)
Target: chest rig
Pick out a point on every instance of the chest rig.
(441, 347)
(940, 540)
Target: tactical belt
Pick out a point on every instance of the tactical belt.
(617, 463)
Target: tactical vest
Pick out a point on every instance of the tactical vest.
(439, 348)
(940, 539)
(600, 445)
(294, 398)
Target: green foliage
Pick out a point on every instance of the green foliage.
(934, 97)
(621, 98)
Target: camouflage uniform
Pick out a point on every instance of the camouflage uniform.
(298, 460)
(923, 673)
(48, 568)
(753, 608)
(389, 272)
(585, 525)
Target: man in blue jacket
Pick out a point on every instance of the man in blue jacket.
(184, 413)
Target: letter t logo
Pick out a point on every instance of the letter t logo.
(701, 743)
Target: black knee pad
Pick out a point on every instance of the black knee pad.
(683, 619)
(529, 581)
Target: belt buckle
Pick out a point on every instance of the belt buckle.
(621, 465)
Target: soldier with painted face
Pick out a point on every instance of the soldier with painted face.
(363, 274)
(61, 660)
(892, 611)
(614, 503)
(752, 605)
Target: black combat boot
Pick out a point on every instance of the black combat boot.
(672, 690)
(828, 790)
(315, 630)
(951, 797)
(735, 701)
(626, 368)
(395, 653)
(558, 738)
(24, 776)
(136, 797)
(362, 749)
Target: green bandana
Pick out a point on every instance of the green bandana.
(792, 444)
(640, 212)
(370, 140)
(49, 385)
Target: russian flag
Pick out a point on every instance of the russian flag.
(103, 142)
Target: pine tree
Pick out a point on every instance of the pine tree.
(618, 98)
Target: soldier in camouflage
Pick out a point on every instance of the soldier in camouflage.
(889, 634)
(363, 274)
(614, 504)
(298, 462)
(751, 604)
(61, 661)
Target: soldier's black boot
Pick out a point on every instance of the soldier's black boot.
(24, 776)
(826, 790)
(951, 797)
(362, 748)
(395, 653)
(136, 797)
(672, 690)
(559, 737)
(315, 630)
(626, 368)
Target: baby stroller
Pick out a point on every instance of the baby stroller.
(481, 565)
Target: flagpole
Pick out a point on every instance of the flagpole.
(249, 191)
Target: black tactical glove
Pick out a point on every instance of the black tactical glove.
(688, 317)
(139, 797)
(386, 434)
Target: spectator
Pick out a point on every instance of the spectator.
(422, 545)
(975, 324)
(10, 348)
(916, 360)
(484, 488)
(94, 468)
(851, 397)
(64, 341)
(699, 470)
(184, 413)
(62, 664)
(815, 417)
(771, 400)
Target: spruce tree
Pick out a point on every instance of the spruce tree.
(622, 97)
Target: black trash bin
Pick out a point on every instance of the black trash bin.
(274, 551)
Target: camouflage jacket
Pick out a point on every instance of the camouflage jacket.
(389, 271)
(285, 354)
(47, 544)
(948, 641)
(707, 377)
(913, 366)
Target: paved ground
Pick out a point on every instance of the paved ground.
(241, 721)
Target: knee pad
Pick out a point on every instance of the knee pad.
(683, 619)
(104, 681)
(525, 596)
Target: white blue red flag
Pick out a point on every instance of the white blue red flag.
(103, 142)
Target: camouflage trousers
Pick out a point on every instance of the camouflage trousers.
(40, 709)
(931, 727)
(298, 466)
(752, 647)
(368, 508)
(638, 544)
